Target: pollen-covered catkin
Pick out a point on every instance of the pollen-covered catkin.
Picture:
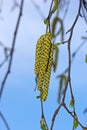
(38, 54)
(44, 59)
(45, 52)
(47, 75)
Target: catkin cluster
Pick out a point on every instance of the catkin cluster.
(43, 63)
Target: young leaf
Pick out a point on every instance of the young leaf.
(40, 96)
(62, 85)
(75, 124)
(55, 32)
(42, 124)
(46, 21)
(55, 8)
(72, 103)
(55, 57)
(60, 90)
(86, 58)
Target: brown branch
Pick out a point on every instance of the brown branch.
(12, 49)
(69, 73)
(69, 49)
(73, 55)
(73, 115)
(54, 116)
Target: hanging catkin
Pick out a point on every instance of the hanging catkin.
(43, 63)
(45, 50)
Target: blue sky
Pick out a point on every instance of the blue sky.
(19, 104)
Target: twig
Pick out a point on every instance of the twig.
(54, 116)
(49, 16)
(12, 49)
(3, 62)
(42, 116)
(38, 9)
(4, 120)
(5, 49)
(73, 55)
(74, 116)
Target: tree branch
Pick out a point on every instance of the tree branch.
(12, 49)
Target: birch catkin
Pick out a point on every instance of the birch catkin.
(38, 54)
(44, 59)
(43, 63)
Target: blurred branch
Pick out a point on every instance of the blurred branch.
(78, 49)
(12, 49)
(74, 55)
(38, 9)
(66, 9)
(15, 5)
(84, 10)
(4, 120)
(3, 62)
(6, 51)
(1, 3)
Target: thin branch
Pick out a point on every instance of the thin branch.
(74, 116)
(78, 49)
(38, 9)
(12, 49)
(54, 116)
(4, 120)
(4, 61)
(42, 116)
(73, 55)
(69, 48)
(5, 50)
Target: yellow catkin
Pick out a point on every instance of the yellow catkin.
(38, 54)
(47, 75)
(44, 59)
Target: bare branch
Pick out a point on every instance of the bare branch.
(12, 49)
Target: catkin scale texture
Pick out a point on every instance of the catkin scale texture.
(44, 59)
(38, 54)
(47, 76)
